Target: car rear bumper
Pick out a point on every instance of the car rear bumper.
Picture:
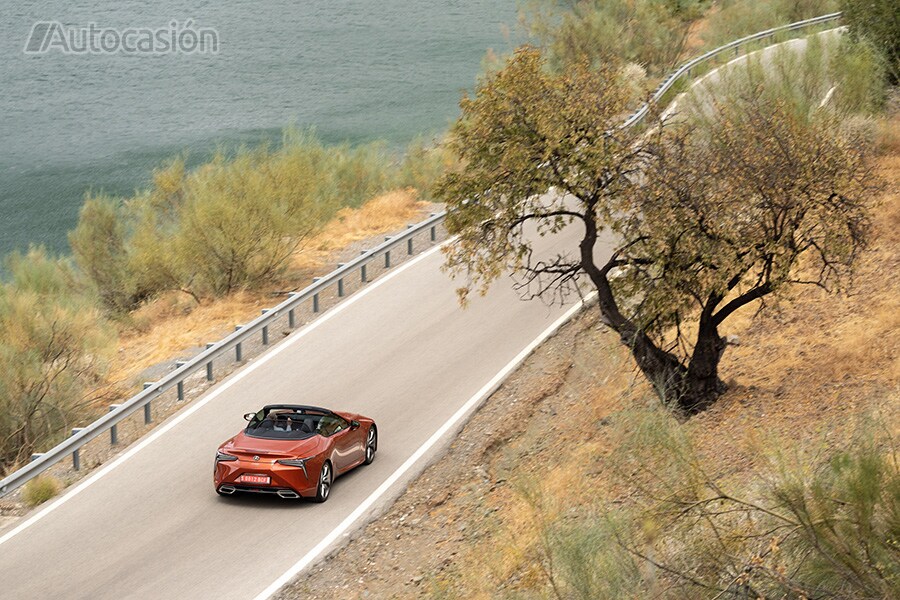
(285, 481)
(229, 489)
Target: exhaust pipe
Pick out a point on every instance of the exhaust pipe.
(288, 494)
(227, 489)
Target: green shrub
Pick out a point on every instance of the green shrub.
(845, 525)
(878, 23)
(806, 528)
(859, 75)
(52, 347)
(231, 223)
(738, 18)
(423, 164)
(100, 247)
(39, 490)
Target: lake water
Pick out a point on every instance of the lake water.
(356, 70)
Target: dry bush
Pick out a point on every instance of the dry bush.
(40, 489)
(888, 137)
(811, 524)
(381, 213)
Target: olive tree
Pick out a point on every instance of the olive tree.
(701, 226)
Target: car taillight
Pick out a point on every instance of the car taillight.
(295, 462)
(222, 457)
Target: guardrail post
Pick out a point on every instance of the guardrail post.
(237, 349)
(433, 229)
(148, 418)
(209, 365)
(340, 283)
(316, 297)
(362, 274)
(114, 430)
(387, 254)
(265, 329)
(292, 317)
(180, 386)
(36, 456)
(76, 456)
(409, 242)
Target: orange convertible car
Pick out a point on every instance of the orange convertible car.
(294, 451)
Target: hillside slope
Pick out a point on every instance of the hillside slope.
(562, 437)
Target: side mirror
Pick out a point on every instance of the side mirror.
(249, 416)
(354, 424)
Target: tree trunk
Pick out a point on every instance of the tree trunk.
(702, 385)
(662, 369)
(687, 390)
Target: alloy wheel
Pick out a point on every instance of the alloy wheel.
(371, 445)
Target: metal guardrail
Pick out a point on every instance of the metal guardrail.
(206, 359)
(736, 45)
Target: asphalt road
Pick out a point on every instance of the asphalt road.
(403, 353)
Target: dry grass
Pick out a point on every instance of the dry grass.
(888, 138)
(173, 324)
(40, 489)
(695, 36)
(382, 214)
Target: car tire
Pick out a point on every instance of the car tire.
(371, 445)
(326, 478)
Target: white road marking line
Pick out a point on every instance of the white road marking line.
(480, 395)
(156, 434)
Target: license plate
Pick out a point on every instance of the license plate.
(264, 479)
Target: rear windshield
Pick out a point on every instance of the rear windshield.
(288, 425)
